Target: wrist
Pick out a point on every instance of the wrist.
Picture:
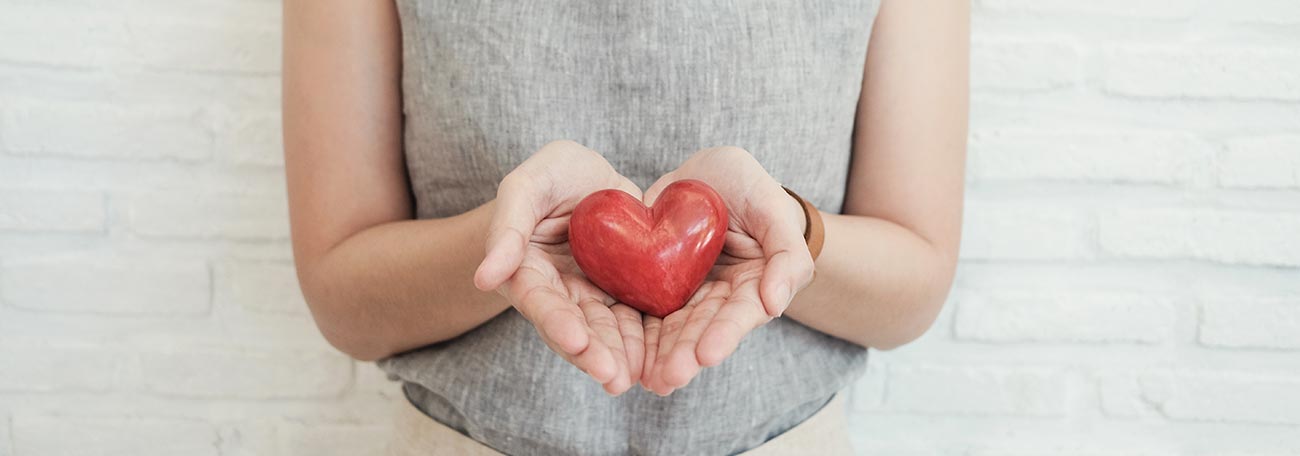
(795, 212)
(810, 221)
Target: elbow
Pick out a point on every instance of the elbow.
(340, 323)
(357, 348)
(906, 331)
(367, 355)
(346, 338)
(913, 320)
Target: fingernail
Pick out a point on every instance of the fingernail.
(788, 300)
(783, 298)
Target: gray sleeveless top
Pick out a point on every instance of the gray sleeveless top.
(646, 83)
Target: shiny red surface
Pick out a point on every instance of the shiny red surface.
(653, 258)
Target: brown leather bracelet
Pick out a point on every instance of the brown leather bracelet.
(814, 233)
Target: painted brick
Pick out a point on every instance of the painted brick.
(372, 380)
(108, 131)
(234, 37)
(1251, 322)
(164, 116)
(251, 437)
(252, 373)
(41, 211)
(1218, 396)
(95, 436)
(181, 44)
(259, 287)
(1017, 65)
(982, 390)
(1246, 73)
(337, 439)
(1261, 162)
(55, 368)
(1152, 9)
(1276, 12)
(1058, 450)
(1064, 316)
(1024, 232)
(1121, 396)
(1232, 237)
(1099, 156)
(206, 216)
(106, 284)
(252, 139)
(42, 85)
(66, 35)
(124, 178)
(6, 440)
(868, 393)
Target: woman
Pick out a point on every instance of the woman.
(434, 151)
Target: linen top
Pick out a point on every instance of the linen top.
(646, 83)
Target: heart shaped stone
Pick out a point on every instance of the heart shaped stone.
(650, 258)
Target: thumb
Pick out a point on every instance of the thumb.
(789, 266)
(514, 218)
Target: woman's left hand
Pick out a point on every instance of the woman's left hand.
(764, 262)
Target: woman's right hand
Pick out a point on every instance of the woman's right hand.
(529, 262)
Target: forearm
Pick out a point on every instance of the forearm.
(877, 284)
(401, 285)
(886, 269)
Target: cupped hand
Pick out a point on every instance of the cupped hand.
(764, 262)
(528, 261)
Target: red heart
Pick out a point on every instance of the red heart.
(654, 258)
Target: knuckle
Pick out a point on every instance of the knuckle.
(732, 151)
(561, 144)
(672, 326)
(554, 319)
(566, 149)
(513, 181)
(804, 267)
(528, 297)
(732, 326)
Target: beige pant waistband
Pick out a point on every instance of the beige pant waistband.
(824, 433)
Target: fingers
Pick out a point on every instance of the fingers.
(553, 179)
(731, 171)
(634, 342)
(551, 230)
(734, 320)
(560, 328)
(681, 364)
(537, 291)
(567, 327)
(540, 296)
(653, 327)
(674, 358)
(789, 266)
(612, 373)
(514, 218)
(701, 335)
(669, 330)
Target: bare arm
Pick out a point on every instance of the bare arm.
(889, 259)
(377, 282)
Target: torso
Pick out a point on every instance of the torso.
(645, 83)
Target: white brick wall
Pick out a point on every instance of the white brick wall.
(109, 436)
(1130, 282)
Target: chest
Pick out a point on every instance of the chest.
(646, 83)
